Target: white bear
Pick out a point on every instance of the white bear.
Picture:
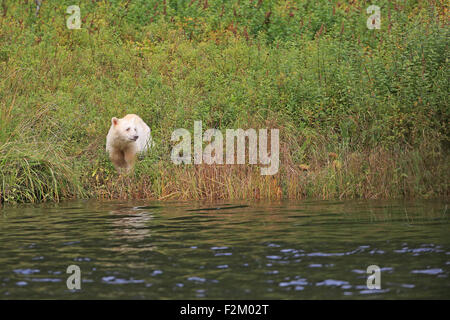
(126, 138)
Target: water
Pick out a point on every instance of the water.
(245, 250)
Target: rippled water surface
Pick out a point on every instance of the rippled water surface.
(245, 250)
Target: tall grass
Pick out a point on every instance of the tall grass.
(362, 113)
(34, 169)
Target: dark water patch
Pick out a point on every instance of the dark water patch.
(218, 208)
(189, 250)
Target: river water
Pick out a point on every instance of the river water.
(239, 250)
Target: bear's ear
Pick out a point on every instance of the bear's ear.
(114, 121)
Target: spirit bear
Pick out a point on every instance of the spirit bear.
(126, 138)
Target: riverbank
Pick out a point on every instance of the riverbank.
(362, 113)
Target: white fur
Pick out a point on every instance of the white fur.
(120, 141)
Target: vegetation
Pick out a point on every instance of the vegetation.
(362, 113)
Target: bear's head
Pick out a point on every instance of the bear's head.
(125, 130)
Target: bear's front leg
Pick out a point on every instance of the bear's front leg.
(117, 158)
(130, 158)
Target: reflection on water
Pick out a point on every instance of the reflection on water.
(132, 225)
(251, 250)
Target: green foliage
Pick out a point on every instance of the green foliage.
(310, 66)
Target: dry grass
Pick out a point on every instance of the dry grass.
(372, 174)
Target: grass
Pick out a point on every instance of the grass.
(35, 170)
(362, 113)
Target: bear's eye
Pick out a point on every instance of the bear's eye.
(128, 129)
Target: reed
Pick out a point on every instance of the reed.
(361, 113)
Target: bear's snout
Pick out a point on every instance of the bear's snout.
(135, 138)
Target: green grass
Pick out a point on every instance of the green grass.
(34, 170)
(362, 113)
